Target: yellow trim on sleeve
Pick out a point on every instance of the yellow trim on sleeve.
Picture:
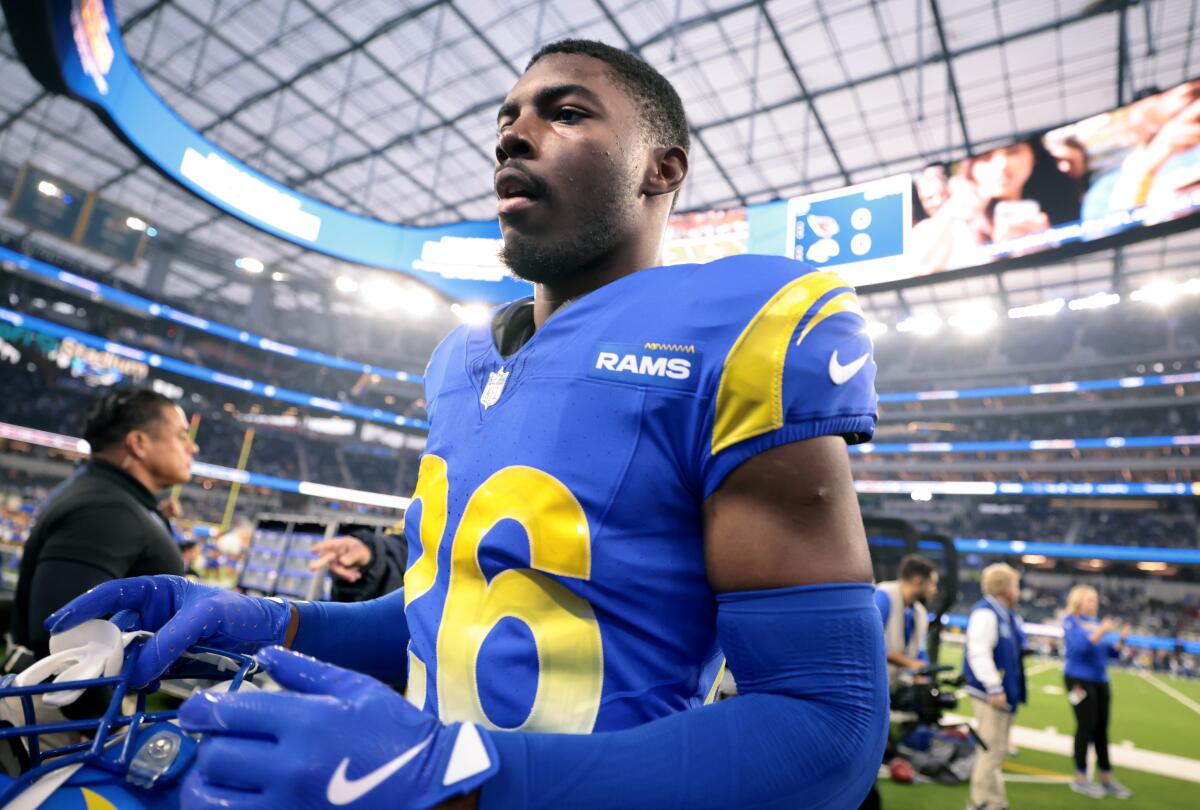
(842, 302)
(716, 684)
(750, 393)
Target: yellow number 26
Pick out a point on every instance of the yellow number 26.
(563, 625)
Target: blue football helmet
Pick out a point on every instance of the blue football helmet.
(123, 762)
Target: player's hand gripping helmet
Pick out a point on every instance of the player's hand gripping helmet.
(115, 761)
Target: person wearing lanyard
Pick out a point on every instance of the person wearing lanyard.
(1088, 649)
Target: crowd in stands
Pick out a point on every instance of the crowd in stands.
(1169, 523)
(1125, 600)
(1112, 342)
(58, 406)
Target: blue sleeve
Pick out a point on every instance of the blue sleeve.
(884, 604)
(349, 635)
(801, 366)
(1075, 638)
(807, 731)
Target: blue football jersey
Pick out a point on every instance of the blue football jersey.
(556, 576)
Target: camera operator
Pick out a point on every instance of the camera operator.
(995, 675)
(903, 604)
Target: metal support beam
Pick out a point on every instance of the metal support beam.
(495, 101)
(696, 134)
(805, 94)
(950, 78)
(1122, 55)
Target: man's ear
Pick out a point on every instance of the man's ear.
(666, 171)
(136, 442)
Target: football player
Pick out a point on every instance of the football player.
(631, 478)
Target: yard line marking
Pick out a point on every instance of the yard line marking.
(1037, 780)
(1030, 770)
(1054, 742)
(1038, 669)
(1184, 699)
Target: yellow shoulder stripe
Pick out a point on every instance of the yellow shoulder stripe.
(750, 393)
(842, 302)
(94, 801)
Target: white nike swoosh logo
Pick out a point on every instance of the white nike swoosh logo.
(841, 374)
(344, 791)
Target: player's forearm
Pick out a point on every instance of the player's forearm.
(369, 637)
(808, 731)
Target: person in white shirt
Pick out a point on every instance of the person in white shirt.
(903, 605)
(995, 678)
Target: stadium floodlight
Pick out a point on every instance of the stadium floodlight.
(974, 319)
(1051, 307)
(345, 284)
(48, 188)
(250, 264)
(1160, 291)
(471, 313)
(1098, 300)
(921, 495)
(419, 301)
(1165, 292)
(923, 325)
(876, 329)
(382, 294)
(277, 276)
(1152, 567)
(136, 224)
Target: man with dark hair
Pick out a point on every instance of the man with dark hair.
(630, 479)
(103, 522)
(904, 604)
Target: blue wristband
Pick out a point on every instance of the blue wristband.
(369, 637)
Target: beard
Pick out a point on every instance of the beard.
(564, 255)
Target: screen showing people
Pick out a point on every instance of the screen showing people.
(1134, 166)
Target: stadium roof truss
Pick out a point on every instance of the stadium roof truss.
(387, 108)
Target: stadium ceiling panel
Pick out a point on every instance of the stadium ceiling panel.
(387, 108)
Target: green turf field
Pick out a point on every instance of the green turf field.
(1153, 792)
(1142, 714)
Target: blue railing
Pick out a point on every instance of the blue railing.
(1106, 443)
(112, 295)
(1066, 387)
(161, 361)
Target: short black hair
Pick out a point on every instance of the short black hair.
(662, 112)
(914, 566)
(110, 418)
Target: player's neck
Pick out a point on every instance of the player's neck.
(548, 298)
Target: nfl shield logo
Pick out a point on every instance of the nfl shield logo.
(494, 388)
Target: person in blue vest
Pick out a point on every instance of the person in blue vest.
(1089, 645)
(995, 678)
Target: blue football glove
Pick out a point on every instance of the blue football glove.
(181, 614)
(347, 741)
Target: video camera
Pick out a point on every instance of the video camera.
(929, 697)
